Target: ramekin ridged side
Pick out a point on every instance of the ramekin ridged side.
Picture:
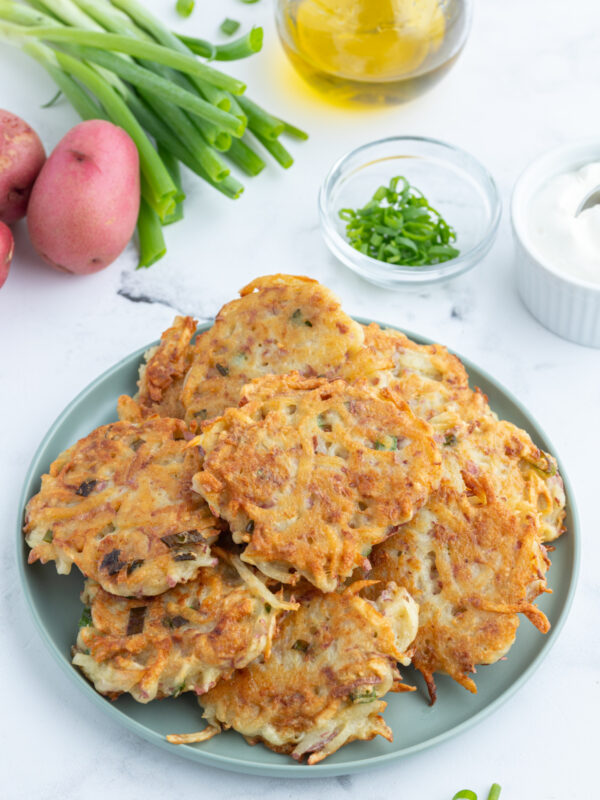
(569, 310)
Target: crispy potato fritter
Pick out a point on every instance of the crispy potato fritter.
(280, 323)
(119, 504)
(183, 640)
(321, 688)
(312, 473)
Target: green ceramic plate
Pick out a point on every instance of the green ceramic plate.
(54, 602)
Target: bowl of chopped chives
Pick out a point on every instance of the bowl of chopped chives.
(408, 210)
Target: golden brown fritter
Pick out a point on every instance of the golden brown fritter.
(164, 369)
(119, 504)
(473, 557)
(312, 473)
(331, 663)
(280, 323)
(186, 639)
(429, 378)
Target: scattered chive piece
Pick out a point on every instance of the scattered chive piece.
(268, 608)
(494, 792)
(184, 7)
(86, 618)
(300, 644)
(398, 226)
(449, 440)
(229, 26)
(48, 536)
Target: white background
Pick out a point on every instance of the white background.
(527, 80)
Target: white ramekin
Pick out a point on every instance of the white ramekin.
(566, 305)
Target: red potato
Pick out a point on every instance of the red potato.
(7, 246)
(84, 205)
(22, 156)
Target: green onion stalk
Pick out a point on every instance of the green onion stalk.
(114, 60)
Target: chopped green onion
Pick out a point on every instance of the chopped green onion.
(494, 792)
(399, 226)
(366, 696)
(247, 45)
(465, 794)
(184, 7)
(301, 645)
(48, 536)
(229, 26)
(249, 2)
(449, 440)
(86, 618)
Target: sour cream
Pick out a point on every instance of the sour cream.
(568, 243)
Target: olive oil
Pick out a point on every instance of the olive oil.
(372, 51)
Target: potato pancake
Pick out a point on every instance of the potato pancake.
(183, 640)
(164, 369)
(312, 473)
(473, 557)
(280, 323)
(119, 504)
(331, 663)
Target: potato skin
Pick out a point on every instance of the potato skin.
(22, 156)
(84, 205)
(7, 246)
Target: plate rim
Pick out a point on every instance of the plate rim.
(243, 766)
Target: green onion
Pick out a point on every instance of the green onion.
(399, 226)
(277, 150)
(465, 794)
(48, 536)
(138, 49)
(494, 792)
(249, 2)
(159, 180)
(247, 45)
(301, 645)
(159, 86)
(244, 157)
(292, 130)
(260, 121)
(53, 100)
(150, 235)
(172, 164)
(86, 618)
(229, 26)
(184, 7)
(152, 242)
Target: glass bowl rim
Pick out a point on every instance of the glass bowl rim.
(364, 262)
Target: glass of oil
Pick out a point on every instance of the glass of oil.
(373, 51)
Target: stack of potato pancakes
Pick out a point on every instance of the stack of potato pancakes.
(293, 504)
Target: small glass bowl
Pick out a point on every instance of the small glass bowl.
(455, 184)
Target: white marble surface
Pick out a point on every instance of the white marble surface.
(527, 80)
